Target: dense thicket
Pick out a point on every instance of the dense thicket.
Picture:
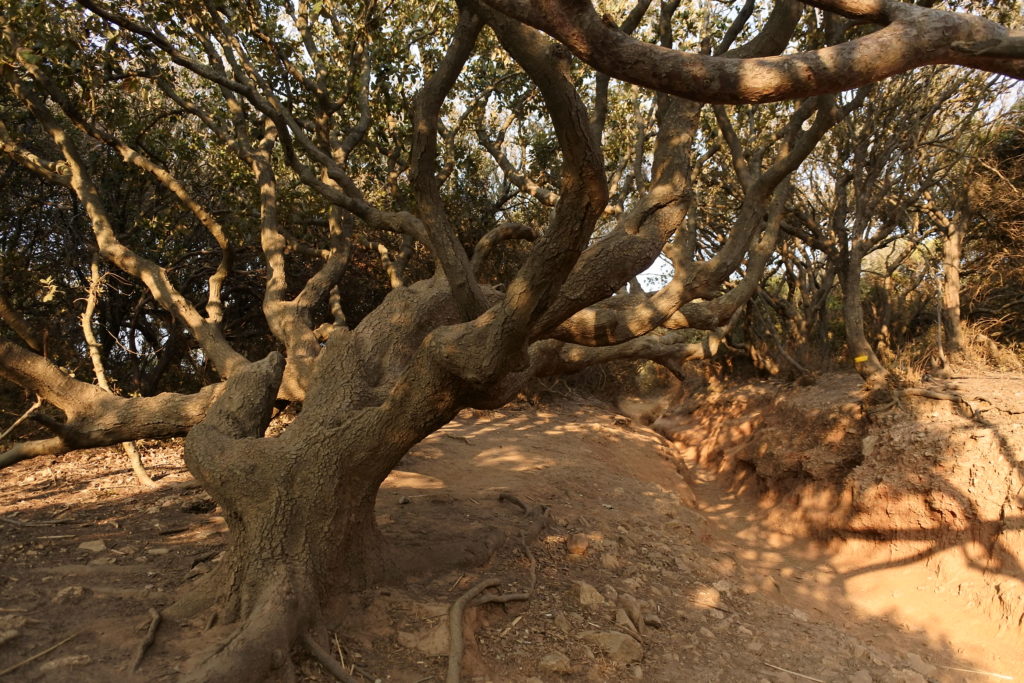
(994, 268)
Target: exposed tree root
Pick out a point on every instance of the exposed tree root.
(261, 643)
(537, 514)
(327, 661)
(939, 396)
(510, 498)
(154, 624)
(455, 612)
(513, 597)
(475, 597)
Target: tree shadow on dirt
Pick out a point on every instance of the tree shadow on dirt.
(913, 515)
(732, 597)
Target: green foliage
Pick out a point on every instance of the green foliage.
(334, 67)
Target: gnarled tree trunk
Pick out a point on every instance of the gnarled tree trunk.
(300, 506)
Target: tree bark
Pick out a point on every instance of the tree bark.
(96, 357)
(94, 417)
(951, 253)
(300, 506)
(864, 358)
(911, 37)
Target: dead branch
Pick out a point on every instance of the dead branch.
(18, 522)
(327, 661)
(154, 623)
(37, 655)
(24, 416)
(135, 459)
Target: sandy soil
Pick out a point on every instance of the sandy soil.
(662, 560)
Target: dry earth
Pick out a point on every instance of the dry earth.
(783, 535)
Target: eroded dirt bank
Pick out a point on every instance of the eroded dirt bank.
(653, 567)
(917, 507)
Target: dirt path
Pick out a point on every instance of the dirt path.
(911, 517)
(862, 588)
(641, 575)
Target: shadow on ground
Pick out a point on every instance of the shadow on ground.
(723, 592)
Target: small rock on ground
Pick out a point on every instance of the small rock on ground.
(588, 595)
(617, 646)
(562, 622)
(65, 662)
(922, 667)
(577, 544)
(70, 595)
(556, 662)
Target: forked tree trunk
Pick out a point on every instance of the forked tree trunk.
(300, 506)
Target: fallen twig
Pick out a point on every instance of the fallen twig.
(37, 655)
(135, 460)
(980, 673)
(708, 605)
(504, 631)
(455, 612)
(337, 646)
(327, 661)
(18, 522)
(794, 673)
(154, 624)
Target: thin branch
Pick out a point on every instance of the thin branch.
(24, 416)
